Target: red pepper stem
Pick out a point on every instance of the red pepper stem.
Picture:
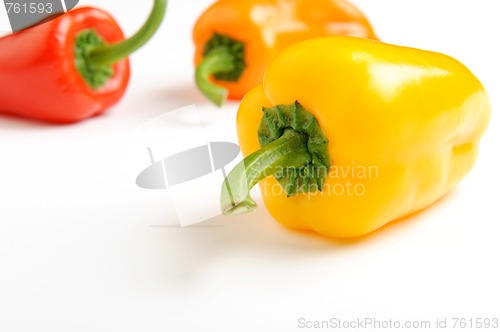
(109, 54)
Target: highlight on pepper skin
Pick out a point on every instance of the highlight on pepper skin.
(357, 134)
(236, 40)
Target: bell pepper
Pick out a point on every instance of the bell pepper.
(355, 134)
(71, 68)
(236, 40)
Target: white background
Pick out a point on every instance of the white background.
(81, 250)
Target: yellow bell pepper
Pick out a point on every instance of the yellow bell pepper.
(357, 133)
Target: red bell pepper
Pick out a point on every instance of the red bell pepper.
(71, 68)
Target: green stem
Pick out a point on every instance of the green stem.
(218, 60)
(224, 60)
(290, 151)
(109, 54)
(294, 149)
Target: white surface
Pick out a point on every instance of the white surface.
(79, 249)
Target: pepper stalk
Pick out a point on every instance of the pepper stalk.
(293, 148)
(224, 60)
(94, 57)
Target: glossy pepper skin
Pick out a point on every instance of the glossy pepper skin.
(411, 119)
(265, 27)
(71, 68)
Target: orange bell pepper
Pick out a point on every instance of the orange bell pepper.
(235, 40)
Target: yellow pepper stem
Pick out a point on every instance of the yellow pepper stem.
(294, 150)
(289, 151)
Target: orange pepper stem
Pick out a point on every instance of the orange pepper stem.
(219, 60)
(294, 150)
(224, 60)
